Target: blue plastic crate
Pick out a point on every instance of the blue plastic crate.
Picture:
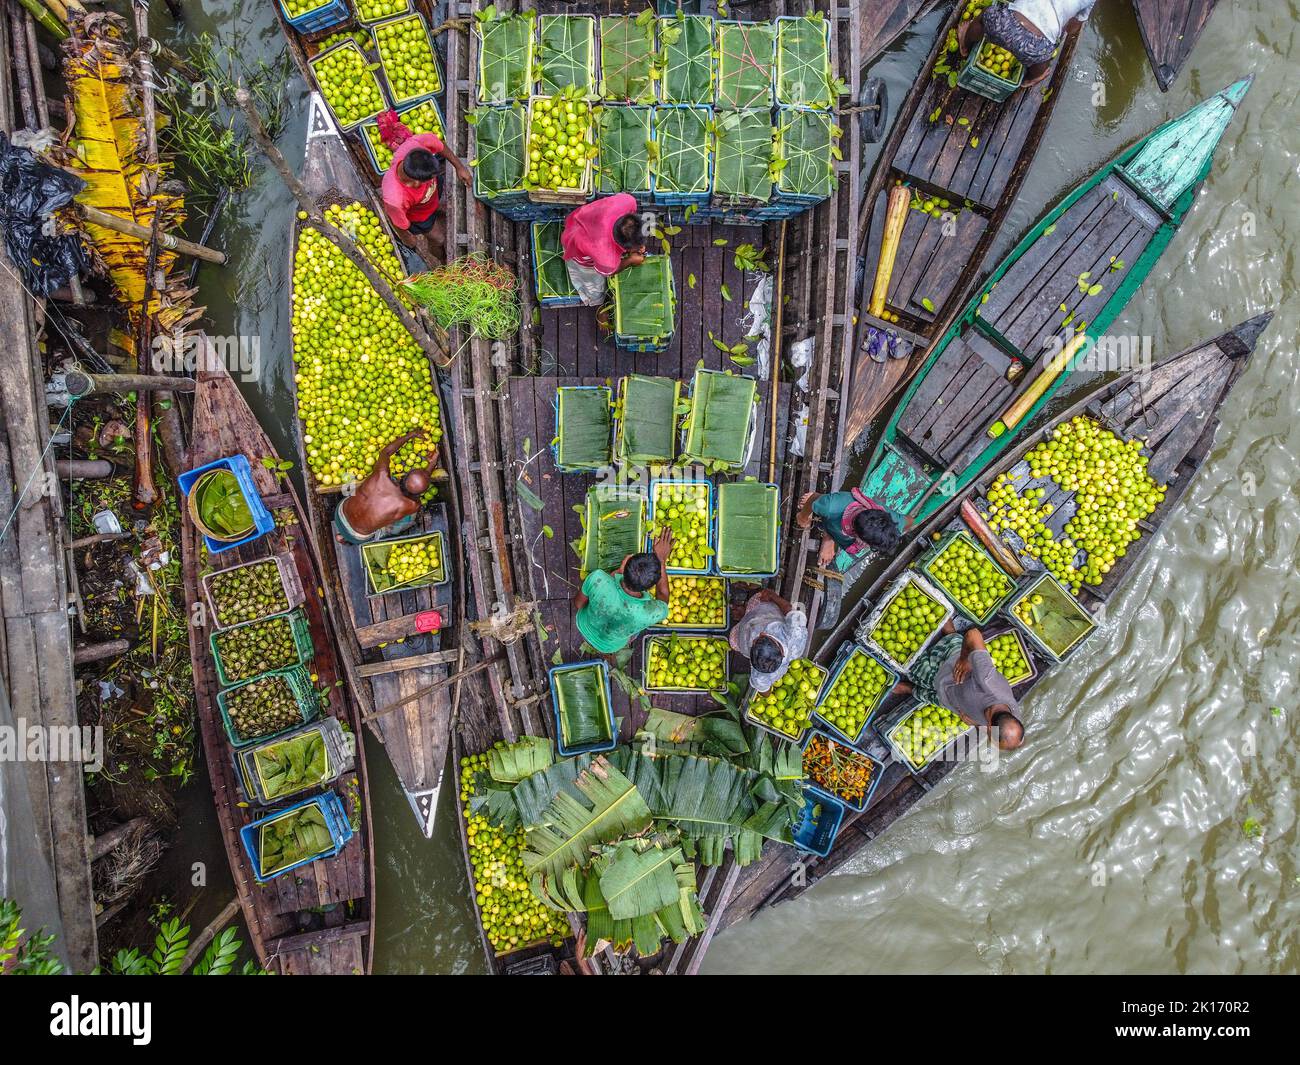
(816, 835)
(330, 14)
(685, 199)
(876, 773)
(841, 660)
(336, 820)
(593, 748)
(555, 405)
(713, 534)
(573, 300)
(776, 65)
(263, 523)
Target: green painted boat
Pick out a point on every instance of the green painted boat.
(1073, 273)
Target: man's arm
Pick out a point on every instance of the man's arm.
(392, 448)
(971, 642)
(767, 595)
(663, 547)
(463, 172)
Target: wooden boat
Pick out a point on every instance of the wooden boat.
(885, 22)
(1069, 277)
(1174, 406)
(957, 147)
(398, 648)
(1170, 30)
(320, 918)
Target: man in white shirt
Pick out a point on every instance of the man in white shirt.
(1028, 29)
(771, 634)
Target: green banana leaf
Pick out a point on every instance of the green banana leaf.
(514, 762)
(645, 306)
(722, 408)
(805, 145)
(636, 881)
(500, 150)
(553, 281)
(747, 527)
(624, 134)
(685, 146)
(686, 47)
(647, 413)
(505, 56)
(627, 57)
(745, 54)
(710, 734)
(566, 52)
(742, 155)
(583, 707)
(803, 63)
(608, 535)
(582, 423)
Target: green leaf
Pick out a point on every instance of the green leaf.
(523, 758)
(720, 242)
(1093, 289)
(548, 532)
(1049, 230)
(529, 496)
(726, 293)
(928, 304)
(690, 281)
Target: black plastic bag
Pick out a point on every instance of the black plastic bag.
(30, 191)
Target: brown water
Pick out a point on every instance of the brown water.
(1115, 840)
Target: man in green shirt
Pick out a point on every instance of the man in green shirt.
(613, 607)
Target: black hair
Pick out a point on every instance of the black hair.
(1011, 733)
(877, 530)
(641, 572)
(420, 165)
(765, 655)
(627, 229)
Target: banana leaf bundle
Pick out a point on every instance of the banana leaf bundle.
(745, 55)
(582, 706)
(566, 53)
(500, 159)
(803, 62)
(684, 140)
(549, 271)
(647, 408)
(292, 764)
(625, 133)
(296, 836)
(743, 155)
(505, 55)
(747, 527)
(722, 407)
(806, 153)
(627, 57)
(686, 48)
(645, 304)
(582, 428)
(613, 527)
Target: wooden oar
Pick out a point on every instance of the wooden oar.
(1001, 554)
(900, 197)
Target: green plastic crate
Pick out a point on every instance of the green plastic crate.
(974, 78)
(304, 693)
(299, 627)
(926, 566)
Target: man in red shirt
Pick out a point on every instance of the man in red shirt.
(411, 184)
(600, 239)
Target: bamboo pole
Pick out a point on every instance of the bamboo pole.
(18, 49)
(228, 913)
(46, 18)
(335, 236)
(774, 353)
(134, 229)
(80, 384)
(420, 693)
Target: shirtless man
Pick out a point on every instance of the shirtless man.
(380, 502)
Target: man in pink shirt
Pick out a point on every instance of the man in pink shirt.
(600, 239)
(411, 185)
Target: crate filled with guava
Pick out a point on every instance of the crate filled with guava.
(424, 117)
(857, 686)
(838, 771)
(923, 733)
(613, 527)
(696, 602)
(257, 647)
(404, 564)
(1011, 657)
(561, 147)
(298, 761)
(974, 583)
(268, 706)
(314, 16)
(674, 663)
(407, 58)
(909, 615)
(1051, 617)
(584, 708)
(348, 84)
(369, 12)
(252, 591)
(787, 709)
(313, 829)
(512, 916)
(686, 509)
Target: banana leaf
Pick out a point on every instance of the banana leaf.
(566, 53)
(627, 57)
(745, 55)
(552, 275)
(290, 765)
(803, 62)
(742, 155)
(647, 414)
(610, 807)
(805, 148)
(684, 140)
(613, 527)
(505, 58)
(499, 155)
(722, 408)
(747, 527)
(645, 305)
(533, 795)
(523, 758)
(686, 48)
(625, 134)
(709, 734)
(287, 840)
(636, 881)
(566, 892)
(583, 427)
(584, 710)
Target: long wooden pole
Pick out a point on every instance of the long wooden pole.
(420, 693)
(133, 229)
(81, 384)
(774, 351)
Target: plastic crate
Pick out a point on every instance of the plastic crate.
(600, 745)
(661, 637)
(526, 81)
(369, 130)
(763, 102)
(668, 92)
(439, 80)
(864, 629)
(339, 758)
(688, 429)
(994, 87)
(507, 116)
(749, 698)
(701, 195)
(846, 653)
(815, 832)
(720, 561)
(737, 200)
(298, 626)
(336, 820)
(304, 693)
(1029, 588)
(634, 500)
(713, 537)
(636, 342)
(823, 139)
(876, 773)
(620, 441)
(330, 14)
(782, 23)
(345, 46)
(290, 584)
(609, 187)
(1023, 643)
(263, 523)
(560, 394)
(720, 626)
(891, 722)
(927, 561)
(375, 554)
(568, 197)
(588, 86)
(545, 239)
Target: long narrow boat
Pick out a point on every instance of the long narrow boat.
(399, 646)
(885, 22)
(319, 918)
(1170, 30)
(1174, 408)
(968, 155)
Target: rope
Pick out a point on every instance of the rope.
(40, 466)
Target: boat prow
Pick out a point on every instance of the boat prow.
(1170, 32)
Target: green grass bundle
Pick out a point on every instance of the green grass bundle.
(550, 273)
(745, 54)
(500, 159)
(472, 291)
(613, 527)
(293, 838)
(625, 133)
(505, 55)
(806, 151)
(803, 63)
(647, 413)
(583, 425)
(627, 57)
(686, 50)
(684, 145)
(722, 407)
(582, 707)
(644, 300)
(566, 54)
(747, 527)
(743, 156)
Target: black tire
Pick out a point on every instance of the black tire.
(875, 114)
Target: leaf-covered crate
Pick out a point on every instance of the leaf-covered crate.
(584, 710)
(805, 150)
(686, 51)
(286, 574)
(647, 419)
(803, 61)
(565, 194)
(505, 56)
(746, 53)
(584, 428)
(405, 9)
(298, 627)
(550, 276)
(566, 53)
(348, 54)
(424, 116)
(720, 425)
(277, 769)
(613, 527)
(500, 155)
(299, 682)
(308, 831)
(423, 57)
(375, 556)
(689, 646)
(625, 133)
(645, 305)
(742, 158)
(627, 57)
(748, 526)
(684, 142)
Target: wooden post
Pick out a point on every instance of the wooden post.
(134, 229)
(80, 384)
(83, 469)
(228, 913)
(97, 652)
